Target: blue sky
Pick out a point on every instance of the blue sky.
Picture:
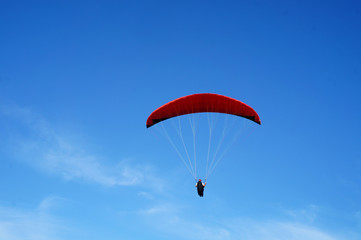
(78, 80)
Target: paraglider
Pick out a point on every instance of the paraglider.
(200, 187)
(200, 103)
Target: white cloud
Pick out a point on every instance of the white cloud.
(167, 219)
(146, 195)
(33, 224)
(276, 230)
(173, 220)
(50, 203)
(307, 214)
(164, 208)
(72, 165)
(54, 152)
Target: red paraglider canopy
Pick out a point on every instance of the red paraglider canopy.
(202, 102)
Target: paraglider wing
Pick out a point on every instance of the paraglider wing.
(202, 102)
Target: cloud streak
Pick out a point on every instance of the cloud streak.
(277, 230)
(170, 219)
(51, 151)
(33, 224)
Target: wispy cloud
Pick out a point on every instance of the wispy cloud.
(48, 149)
(167, 218)
(164, 208)
(307, 214)
(277, 230)
(32, 224)
(50, 203)
(170, 219)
